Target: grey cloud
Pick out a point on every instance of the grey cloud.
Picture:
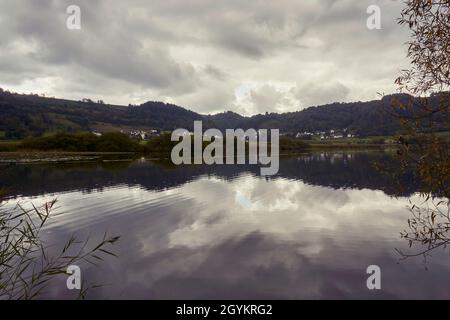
(316, 93)
(215, 72)
(111, 52)
(265, 98)
(198, 53)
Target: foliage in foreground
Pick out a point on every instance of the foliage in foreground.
(26, 267)
(422, 151)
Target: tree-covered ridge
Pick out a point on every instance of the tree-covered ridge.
(25, 115)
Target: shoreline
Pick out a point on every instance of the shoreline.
(343, 146)
(14, 157)
(17, 157)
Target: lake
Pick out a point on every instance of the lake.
(225, 232)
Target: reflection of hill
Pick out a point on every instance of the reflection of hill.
(345, 170)
(336, 170)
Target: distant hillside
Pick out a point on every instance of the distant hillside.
(23, 115)
(30, 114)
(227, 120)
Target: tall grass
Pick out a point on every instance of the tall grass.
(26, 267)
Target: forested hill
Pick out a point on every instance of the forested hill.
(23, 115)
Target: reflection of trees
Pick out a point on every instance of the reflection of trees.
(334, 170)
(346, 170)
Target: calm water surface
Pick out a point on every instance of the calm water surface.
(225, 232)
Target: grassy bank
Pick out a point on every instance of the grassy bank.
(370, 142)
(9, 146)
(85, 145)
(345, 146)
(68, 147)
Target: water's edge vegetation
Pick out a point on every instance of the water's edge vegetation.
(87, 145)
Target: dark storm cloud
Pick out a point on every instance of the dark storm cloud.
(202, 54)
(105, 48)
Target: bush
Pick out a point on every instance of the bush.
(82, 142)
(160, 143)
(288, 144)
(116, 142)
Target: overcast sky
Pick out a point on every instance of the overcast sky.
(248, 56)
